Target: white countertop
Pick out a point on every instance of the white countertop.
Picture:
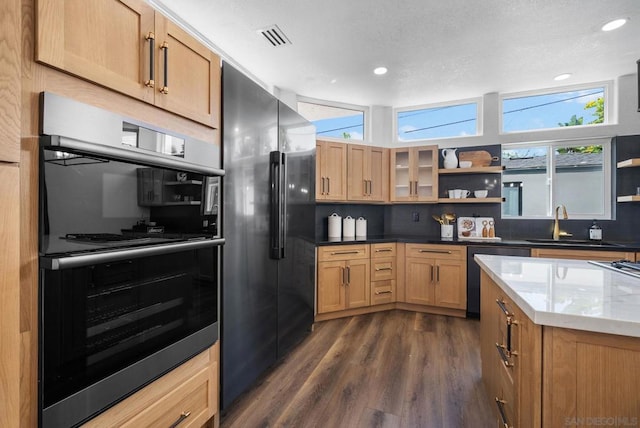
(568, 293)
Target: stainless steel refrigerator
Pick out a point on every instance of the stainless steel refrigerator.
(268, 271)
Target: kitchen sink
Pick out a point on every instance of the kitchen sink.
(576, 242)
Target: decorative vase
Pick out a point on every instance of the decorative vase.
(450, 158)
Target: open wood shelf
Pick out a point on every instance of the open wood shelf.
(629, 163)
(629, 198)
(470, 200)
(473, 170)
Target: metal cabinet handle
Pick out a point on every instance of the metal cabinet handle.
(500, 403)
(339, 253)
(183, 416)
(383, 292)
(348, 275)
(165, 47)
(503, 355)
(324, 185)
(344, 278)
(437, 274)
(151, 38)
(383, 268)
(431, 266)
(503, 307)
(435, 251)
(328, 185)
(384, 250)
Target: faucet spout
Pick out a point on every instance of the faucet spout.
(556, 225)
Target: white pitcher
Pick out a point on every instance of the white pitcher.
(450, 158)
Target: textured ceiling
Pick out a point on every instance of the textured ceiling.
(435, 50)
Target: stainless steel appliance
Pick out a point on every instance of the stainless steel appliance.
(623, 266)
(473, 271)
(269, 221)
(129, 256)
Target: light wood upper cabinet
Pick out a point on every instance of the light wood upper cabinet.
(368, 173)
(123, 45)
(413, 174)
(191, 75)
(331, 171)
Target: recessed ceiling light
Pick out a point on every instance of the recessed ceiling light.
(334, 80)
(615, 24)
(380, 70)
(563, 76)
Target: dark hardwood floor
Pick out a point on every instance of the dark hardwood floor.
(388, 369)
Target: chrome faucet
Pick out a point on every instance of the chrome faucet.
(556, 226)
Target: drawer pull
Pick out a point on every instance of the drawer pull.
(504, 355)
(383, 292)
(436, 251)
(384, 250)
(503, 307)
(383, 268)
(340, 253)
(183, 416)
(500, 403)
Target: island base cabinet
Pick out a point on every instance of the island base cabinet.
(590, 379)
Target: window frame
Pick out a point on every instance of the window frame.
(335, 104)
(608, 103)
(478, 101)
(608, 197)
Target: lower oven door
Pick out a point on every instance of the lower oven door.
(109, 328)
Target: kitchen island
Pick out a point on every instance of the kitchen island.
(560, 342)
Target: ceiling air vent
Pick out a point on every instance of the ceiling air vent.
(274, 36)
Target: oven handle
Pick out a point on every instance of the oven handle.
(80, 260)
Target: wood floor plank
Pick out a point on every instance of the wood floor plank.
(387, 369)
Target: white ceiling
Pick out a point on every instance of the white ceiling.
(435, 50)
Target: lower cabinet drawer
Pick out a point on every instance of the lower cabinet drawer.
(186, 406)
(383, 292)
(383, 268)
(505, 400)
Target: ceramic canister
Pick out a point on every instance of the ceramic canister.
(361, 227)
(335, 226)
(348, 227)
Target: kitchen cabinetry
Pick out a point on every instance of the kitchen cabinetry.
(511, 349)
(185, 397)
(628, 163)
(436, 275)
(331, 171)
(553, 253)
(383, 273)
(160, 187)
(413, 174)
(474, 179)
(343, 277)
(126, 46)
(367, 173)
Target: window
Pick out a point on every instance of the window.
(437, 121)
(345, 122)
(575, 107)
(539, 177)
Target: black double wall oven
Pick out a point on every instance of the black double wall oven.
(129, 256)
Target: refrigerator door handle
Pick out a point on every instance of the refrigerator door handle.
(284, 190)
(274, 204)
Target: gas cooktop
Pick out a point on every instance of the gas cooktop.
(622, 266)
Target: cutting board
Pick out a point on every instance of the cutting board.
(477, 157)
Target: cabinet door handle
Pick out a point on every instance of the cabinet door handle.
(500, 403)
(435, 251)
(344, 277)
(324, 185)
(383, 292)
(183, 416)
(165, 47)
(503, 355)
(437, 274)
(503, 307)
(348, 275)
(431, 266)
(151, 38)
